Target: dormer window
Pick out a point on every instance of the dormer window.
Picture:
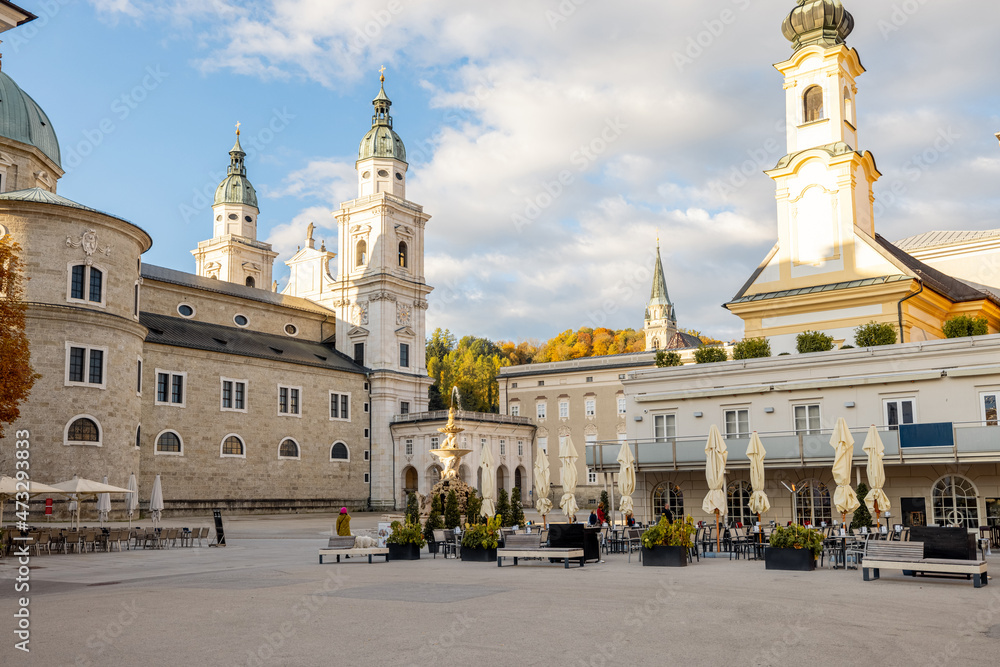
(812, 103)
(361, 253)
(402, 254)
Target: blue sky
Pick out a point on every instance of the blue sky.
(551, 140)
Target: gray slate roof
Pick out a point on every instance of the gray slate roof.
(952, 288)
(178, 332)
(175, 277)
(944, 238)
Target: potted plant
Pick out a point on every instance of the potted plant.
(479, 543)
(666, 544)
(405, 541)
(793, 547)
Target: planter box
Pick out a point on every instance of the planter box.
(665, 557)
(479, 555)
(798, 560)
(404, 552)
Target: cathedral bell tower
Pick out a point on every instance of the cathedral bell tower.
(661, 317)
(234, 254)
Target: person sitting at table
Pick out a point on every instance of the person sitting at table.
(592, 521)
(601, 519)
(629, 520)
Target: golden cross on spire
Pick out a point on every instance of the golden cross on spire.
(381, 72)
(237, 128)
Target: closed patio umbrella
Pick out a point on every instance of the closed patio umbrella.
(626, 479)
(85, 488)
(716, 456)
(132, 499)
(104, 504)
(759, 504)
(156, 501)
(10, 487)
(543, 504)
(568, 478)
(487, 465)
(845, 499)
(876, 500)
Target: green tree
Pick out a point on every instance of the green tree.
(710, 354)
(503, 508)
(412, 509)
(451, 515)
(813, 341)
(434, 520)
(605, 505)
(962, 326)
(474, 509)
(666, 359)
(752, 348)
(862, 517)
(516, 510)
(874, 334)
(17, 377)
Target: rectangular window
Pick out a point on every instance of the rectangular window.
(541, 383)
(482, 442)
(135, 302)
(434, 442)
(563, 409)
(590, 379)
(622, 405)
(359, 354)
(138, 378)
(540, 410)
(366, 474)
(664, 427)
(806, 419)
(404, 407)
(590, 407)
(170, 387)
(234, 394)
(227, 395)
(503, 447)
(340, 406)
(515, 410)
(520, 447)
(96, 278)
(76, 282)
(85, 365)
(591, 476)
(513, 385)
(289, 401)
(409, 446)
(96, 367)
(989, 402)
(737, 423)
(366, 407)
(76, 361)
(404, 355)
(899, 411)
(543, 443)
(240, 397)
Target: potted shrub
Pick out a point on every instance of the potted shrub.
(479, 543)
(405, 541)
(793, 547)
(667, 544)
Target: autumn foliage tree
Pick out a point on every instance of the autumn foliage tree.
(17, 377)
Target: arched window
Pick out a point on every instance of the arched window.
(501, 478)
(738, 499)
(955, 502)
(402, 254)
(138, 434)
(288, 449)
(667, 494)
(339, 452)
(169, 442)
(83, 430)
(361, 253)
(232, 446)
(812, 503)
(251, 282)
(518, 478)
(812, 104)
(409, 480)
(848, 106)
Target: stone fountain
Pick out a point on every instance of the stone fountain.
(450, 455)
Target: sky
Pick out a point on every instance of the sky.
(552, 141)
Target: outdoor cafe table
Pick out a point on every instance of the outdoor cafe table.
(839, 553)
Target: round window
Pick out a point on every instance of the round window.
(185, 310)
(248, 219)
(383, 173)
(399, 176)
(233, 216)
(291, 329)
(241, 320)
(367, 174)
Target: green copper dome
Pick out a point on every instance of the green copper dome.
(822, 22)
(236, 189)
(21, 119)
(381, 140)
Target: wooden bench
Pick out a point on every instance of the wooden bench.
(344, 546)
(529, 546)
(909, 557)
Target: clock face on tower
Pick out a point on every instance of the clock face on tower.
(403, 314)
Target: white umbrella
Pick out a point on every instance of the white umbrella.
(156, 501)
(487, 464)
(716, 456)
(104, 504)
(85, 488)
(626, 479)
(10, 487)
(132, 499)
(542, 503)
(845, 499)
(759, 504)
(568, 478)
(876, 500)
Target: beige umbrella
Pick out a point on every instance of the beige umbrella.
(626, 479)
(156, 501)
(845, 499)
(568, 478)
(132, 500)
(759, 504)
(487, 464)
(876, 500)
(85, 488)
(542, 503)
(10, 487)
(104, 503)
(716, 456)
